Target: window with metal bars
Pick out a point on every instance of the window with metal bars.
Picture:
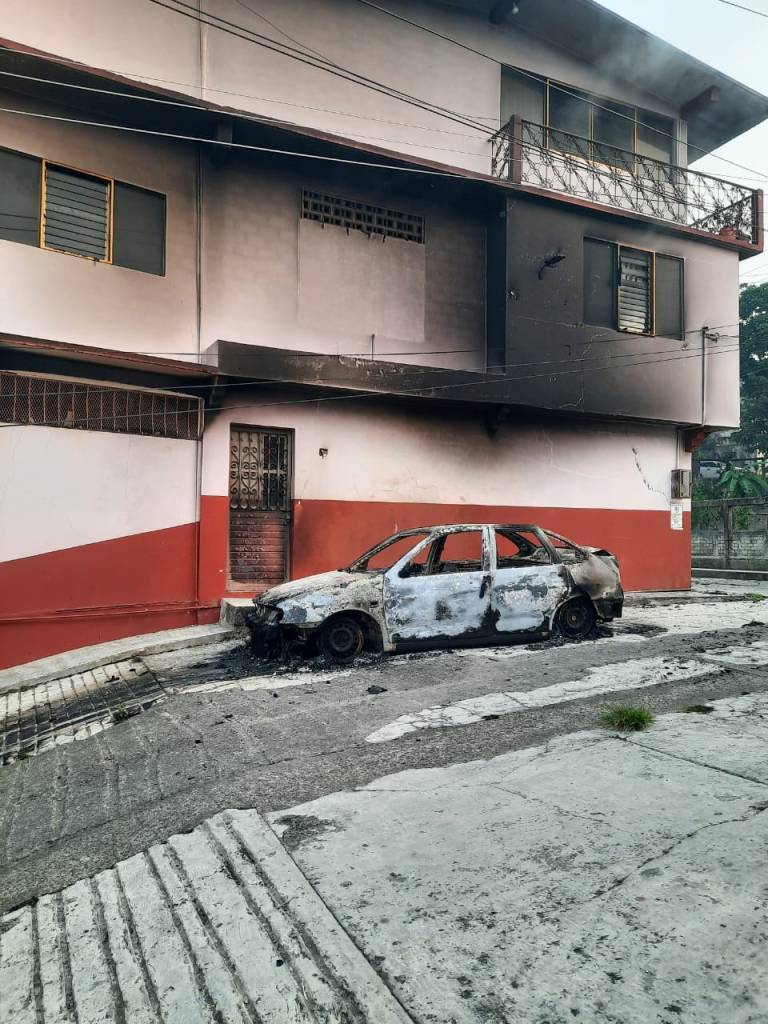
(354, 216)
(35, 400)
(72, 211)
(633, 290)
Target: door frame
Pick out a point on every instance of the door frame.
(234, 586)
(460, 640)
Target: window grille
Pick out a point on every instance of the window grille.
(354, 216)
(56, 402)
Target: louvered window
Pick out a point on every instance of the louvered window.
(76, 213)
(634, 291)
(71, 211)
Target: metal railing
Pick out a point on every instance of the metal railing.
(532, 154)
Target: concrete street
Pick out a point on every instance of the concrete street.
(442, 837)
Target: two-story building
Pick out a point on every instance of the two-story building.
(275, 283)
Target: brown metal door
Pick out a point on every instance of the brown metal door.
(260, 464)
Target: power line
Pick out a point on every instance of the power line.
(428, 391)
(248, 35)
(559, 88)
(256, 118)
(458, 174)
(393, 93)
(416, 369)
(741, 7)
(658, 192)
(141, 77)
(236, 145)
(277, 28)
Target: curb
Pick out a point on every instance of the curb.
(640, 599)
(57, 666)
(729, 574)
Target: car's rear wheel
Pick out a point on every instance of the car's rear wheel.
(576, 619)
(341, 639)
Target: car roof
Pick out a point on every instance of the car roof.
(459, 527)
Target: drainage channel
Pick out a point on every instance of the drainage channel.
(74, 707)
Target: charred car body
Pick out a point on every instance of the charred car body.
(444, 586)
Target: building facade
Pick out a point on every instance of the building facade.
(268, 294)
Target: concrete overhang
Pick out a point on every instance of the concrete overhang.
(40, 354)
(496, 396)
(718, 107)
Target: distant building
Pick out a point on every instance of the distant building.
(345, 272)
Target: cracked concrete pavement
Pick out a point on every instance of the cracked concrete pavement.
(597, 877)
(456, 881)
(79, 808)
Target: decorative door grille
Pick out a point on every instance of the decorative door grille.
(259, 507)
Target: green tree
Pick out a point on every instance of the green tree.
(741, 483)
(753, 363)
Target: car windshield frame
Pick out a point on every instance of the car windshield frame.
(579, 548)
(360, 564)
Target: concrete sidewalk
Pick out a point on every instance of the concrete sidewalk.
(597, 878)
(85, 659)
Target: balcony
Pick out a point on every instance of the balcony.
(543, 158)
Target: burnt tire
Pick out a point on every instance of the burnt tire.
(576, 619)
(341, 639)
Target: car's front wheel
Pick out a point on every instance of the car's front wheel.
(576, 619)
(341, 639)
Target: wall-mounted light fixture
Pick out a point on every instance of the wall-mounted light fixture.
(322, 452)
(550, 261)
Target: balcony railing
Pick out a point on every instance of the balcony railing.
(531, 154)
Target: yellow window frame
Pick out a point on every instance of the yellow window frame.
(110, 183)
(653, 253)
(590, 98)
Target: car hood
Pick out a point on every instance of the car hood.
(327, 583)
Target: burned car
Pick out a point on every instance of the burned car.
(443, 586)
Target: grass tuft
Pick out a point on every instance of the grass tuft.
(755, 597)
(626, 719)
(699, 709)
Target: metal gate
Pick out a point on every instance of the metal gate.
(260, 464)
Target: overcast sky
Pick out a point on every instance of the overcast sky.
(735, 42)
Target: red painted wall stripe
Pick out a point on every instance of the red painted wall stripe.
(91, 585)
(329, 534)
(146, 582)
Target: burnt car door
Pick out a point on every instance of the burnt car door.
(445, 599)
(528, 584)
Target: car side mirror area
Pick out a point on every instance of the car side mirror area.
(412, 569)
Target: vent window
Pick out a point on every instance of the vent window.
(53, 402)
(354, 216)
(633, 290)
(76, 213)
